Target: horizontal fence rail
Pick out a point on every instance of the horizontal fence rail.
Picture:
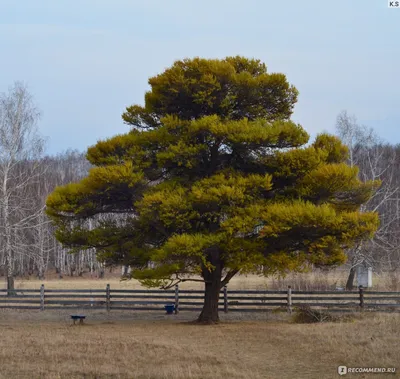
(192, 300)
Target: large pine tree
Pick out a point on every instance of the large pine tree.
(213, 179)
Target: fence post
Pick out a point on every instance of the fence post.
(225, 299)
(108, 296)
(176, 299)
(42, 297)
(361, 291)
(289, 299)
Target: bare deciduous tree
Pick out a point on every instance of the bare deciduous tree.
(21, 148)
(376, 161)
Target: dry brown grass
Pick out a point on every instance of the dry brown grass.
(316, 280)
(44, 345)
(240, 282)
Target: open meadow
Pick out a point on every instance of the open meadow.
(152, 345)
(44, 345)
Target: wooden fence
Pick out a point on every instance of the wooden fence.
(191, 300)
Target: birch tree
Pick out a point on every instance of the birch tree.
(376, 161)
(21, 148)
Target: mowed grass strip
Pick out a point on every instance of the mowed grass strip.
(34, 348)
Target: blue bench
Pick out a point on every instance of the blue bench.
(170, 308)
(78, 317)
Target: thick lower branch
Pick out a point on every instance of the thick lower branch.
(176, 281)
(228, 277)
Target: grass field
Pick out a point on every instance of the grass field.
(240, 282)
(317, 280)
(45, 345)
(150, 345)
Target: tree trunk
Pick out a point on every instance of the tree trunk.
(350, 279)
(10, 286)
(212, 279)
(209, 314)
(7, 231)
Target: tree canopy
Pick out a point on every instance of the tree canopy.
(214, 179)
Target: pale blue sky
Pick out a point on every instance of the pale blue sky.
(85, 61)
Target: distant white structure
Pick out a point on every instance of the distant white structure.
(126, 270)
(364, 276)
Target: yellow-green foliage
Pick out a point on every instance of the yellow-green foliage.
(213, 173)
(294, 164)
(259, 131)
(170, 205)
(232, 88)
(335, 150)
(103, 181)
(230, 189)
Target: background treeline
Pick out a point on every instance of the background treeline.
(35, 249)
(376, 161)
